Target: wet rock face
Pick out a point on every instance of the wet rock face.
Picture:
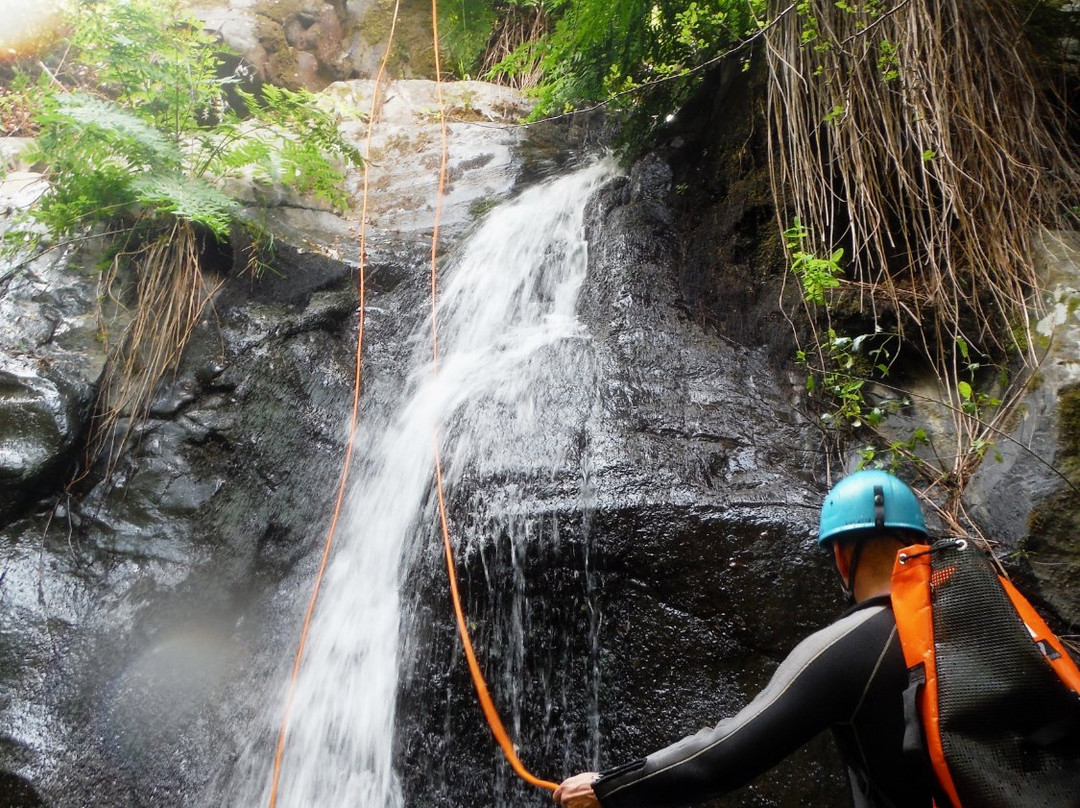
(130, 610)
(650, 583)
(50, 363)
(39, 419)
(123, 608)
(1025, 496)
(1054, 522)
(18, 793)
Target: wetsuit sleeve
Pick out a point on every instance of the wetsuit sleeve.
(820, 682)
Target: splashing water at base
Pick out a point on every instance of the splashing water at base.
(510, 293)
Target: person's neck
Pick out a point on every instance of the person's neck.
(871, 588)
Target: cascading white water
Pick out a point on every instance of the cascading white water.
(510, 292)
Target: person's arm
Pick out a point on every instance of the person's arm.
(818, 684)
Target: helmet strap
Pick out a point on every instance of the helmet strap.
(849, 584)
(856, 554)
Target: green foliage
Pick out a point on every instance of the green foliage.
(466, 27)
(105, 163)
(810, 27)
(844, 366)
(888, 61)
(136, 126)
(973, 401)
(600, 48)
(817, 275)
(840, 367)
(148, 56)
(137, 132)
(299, 157)
(894, 454)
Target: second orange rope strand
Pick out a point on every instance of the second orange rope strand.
(279, 751)
(482, 692)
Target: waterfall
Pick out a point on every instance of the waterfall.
(509, 295)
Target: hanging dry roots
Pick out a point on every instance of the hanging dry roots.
(916, 134)
(170, 297)
(522, 24)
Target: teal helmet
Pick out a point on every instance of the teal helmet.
(866, 501)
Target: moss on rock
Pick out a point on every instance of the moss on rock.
(1054, 523)
(412, 55)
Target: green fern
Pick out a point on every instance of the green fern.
(144, 133)
(187, 198)
(78, 114)
(135, 137)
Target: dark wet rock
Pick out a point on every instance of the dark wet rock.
(18, 793)
(225, 485)
(666, 562)
(50, 363)
(39, 425)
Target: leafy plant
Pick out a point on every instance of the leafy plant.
(895, 454)
(595, 50)
(817, 275)
(838, 366)
(466, 28)
(138, 126)
(845, 366)
(106, 163)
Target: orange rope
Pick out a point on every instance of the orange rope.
(486, 703)
(488, 707)
(283, 731)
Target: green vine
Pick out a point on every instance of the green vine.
(840, 369)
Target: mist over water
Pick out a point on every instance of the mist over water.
(509, 293)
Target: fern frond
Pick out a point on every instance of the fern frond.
(129, 135)
(187, 198)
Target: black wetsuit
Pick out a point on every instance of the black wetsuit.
(849, 677)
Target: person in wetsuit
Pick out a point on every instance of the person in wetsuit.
(848, 677)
